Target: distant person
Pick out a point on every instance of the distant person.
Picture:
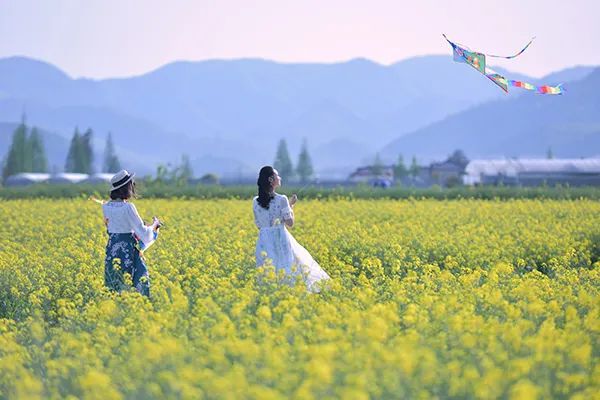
(272, 213)
(127, 236)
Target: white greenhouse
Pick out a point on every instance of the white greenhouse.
(533, 172)
(98, 178)
(67, 177)
(26, 178)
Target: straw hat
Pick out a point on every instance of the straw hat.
(120, 179)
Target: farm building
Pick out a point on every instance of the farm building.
(534, 172)
(445, 173)
(366, 175)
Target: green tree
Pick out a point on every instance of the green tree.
(183, 172)
(39, 162)
(377, 167)
(210, 179)
(400, 170)
(87, 152)
(111, 161)
(414, 168)
(453, 181)
(27, 153)
(304, 169)
(162, 173)
(15, 159)
(458, 158)
(283, 163)
(74, 162)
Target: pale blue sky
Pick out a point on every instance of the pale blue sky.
(108, 38)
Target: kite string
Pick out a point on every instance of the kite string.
(303, 187)
(492, 55)
(307, 184)
(515, 55)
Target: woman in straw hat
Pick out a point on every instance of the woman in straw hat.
(127, 236)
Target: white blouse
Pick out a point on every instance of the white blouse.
(122, 217)
(279, 209)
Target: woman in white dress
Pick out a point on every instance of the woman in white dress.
(272, 213)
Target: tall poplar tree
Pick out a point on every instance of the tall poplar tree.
(400, 170)
(74, 156)
(304, 169)
(414, 167)
(283, 163)
(39, 162)
(87, 152)
(111, 161)
(15, 159)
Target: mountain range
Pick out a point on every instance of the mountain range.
(526, 126)
(228, 115)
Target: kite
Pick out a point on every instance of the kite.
(478, 61)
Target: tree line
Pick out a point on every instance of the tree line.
(27, 153)
(304, 168)
(283, 163)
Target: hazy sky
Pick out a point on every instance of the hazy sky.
(106, 38)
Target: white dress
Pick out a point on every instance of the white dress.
(276, 243)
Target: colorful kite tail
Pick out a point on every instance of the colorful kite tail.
(544, 89)
(558, 89)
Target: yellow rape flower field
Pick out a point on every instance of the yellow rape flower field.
(429, 299)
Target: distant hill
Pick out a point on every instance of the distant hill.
(523, 126)
(568, 75)
(237, 110)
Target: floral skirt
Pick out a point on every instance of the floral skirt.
(123, 256)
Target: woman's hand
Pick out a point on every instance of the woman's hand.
(156, 223)
(293, 200)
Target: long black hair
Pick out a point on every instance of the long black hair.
(265, 192)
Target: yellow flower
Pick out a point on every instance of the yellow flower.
(469, 298)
